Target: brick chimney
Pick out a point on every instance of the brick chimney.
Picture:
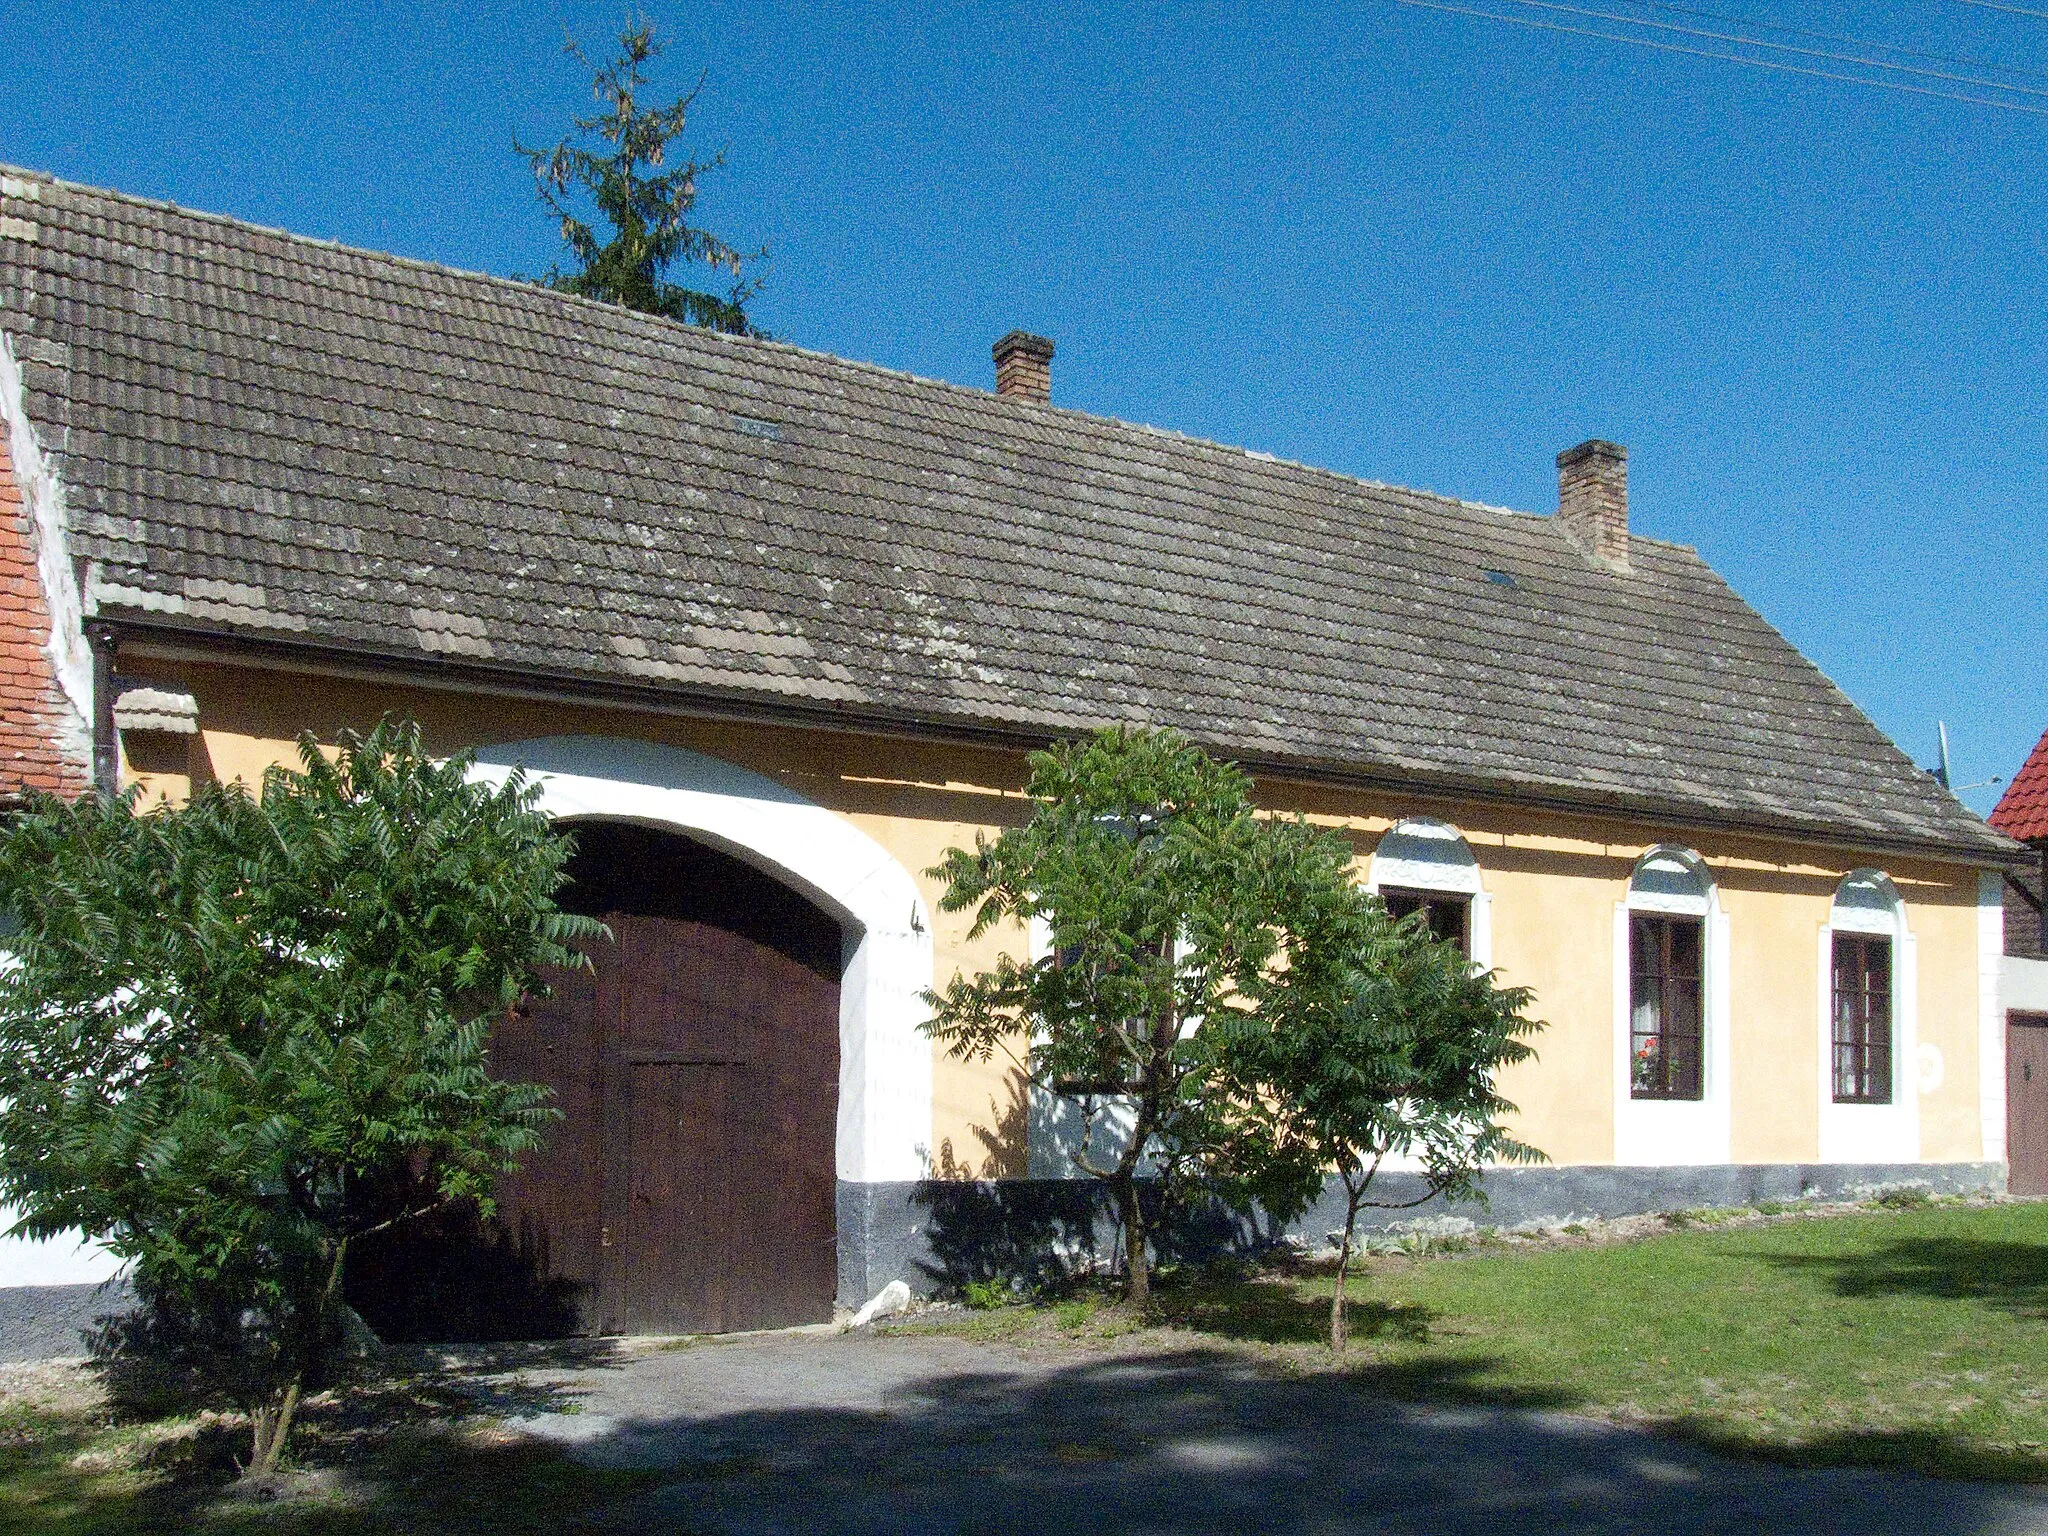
(1592, 499)
(1024, 367)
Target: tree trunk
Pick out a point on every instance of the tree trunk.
(1137, 1271)
(1337, 1333)
(268, 1428)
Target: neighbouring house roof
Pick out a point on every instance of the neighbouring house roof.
(270, 438)
(2022, 811)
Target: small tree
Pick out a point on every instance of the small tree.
(1375, 1040)
(221, 1020)
(646, 206)
(1162, 895)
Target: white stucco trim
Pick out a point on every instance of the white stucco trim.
(1054, 1141)
(1676, 1132)
(1422, 854)
(885, 1061)
(42, 495)
(1872, 1133)
(67, 1260)
(1991, 1012)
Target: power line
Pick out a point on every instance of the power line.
(1731, 58)
(1806, 53)
(2016, 10)
(1855, 42)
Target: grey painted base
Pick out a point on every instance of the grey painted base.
(936, 1236)
(48, 1322)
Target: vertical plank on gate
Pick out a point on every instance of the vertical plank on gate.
(614, 1148)
(548, 1205)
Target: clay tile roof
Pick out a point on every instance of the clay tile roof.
(269, 438)
(2022, 811)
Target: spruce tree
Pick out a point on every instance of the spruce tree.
(620, 162)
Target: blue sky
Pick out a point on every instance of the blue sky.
(1416, 246)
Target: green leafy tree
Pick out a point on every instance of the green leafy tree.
(1376, 1040)
(1163, 896)
(620, 160)
(222, 1021)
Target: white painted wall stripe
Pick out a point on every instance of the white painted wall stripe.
(1991, 1011)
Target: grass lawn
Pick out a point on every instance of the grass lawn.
(1914, 1337)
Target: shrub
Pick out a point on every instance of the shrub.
(226, 1020)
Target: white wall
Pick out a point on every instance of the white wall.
(2024, 984)
(60, 1261)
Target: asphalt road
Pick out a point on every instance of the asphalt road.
(912, 1434)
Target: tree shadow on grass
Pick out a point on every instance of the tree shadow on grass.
(1276, 1312)
(1925, 1451)
(2010, 1276)
(406, 1445)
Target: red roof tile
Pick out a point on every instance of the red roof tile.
(2023, 808)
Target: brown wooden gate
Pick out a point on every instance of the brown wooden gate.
(690, 1187)
(2026, 1103)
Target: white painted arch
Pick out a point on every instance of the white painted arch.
(1420, 853)
(885, 1061)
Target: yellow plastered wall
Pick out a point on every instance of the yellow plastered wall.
(1775, 916)
(1941, 911)
(1555, 882)
(1553, 931)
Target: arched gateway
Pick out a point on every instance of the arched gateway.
(689, 1187)
(745, 1043)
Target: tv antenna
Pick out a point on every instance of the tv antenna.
(1941, 772)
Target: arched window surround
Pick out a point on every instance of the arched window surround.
(1423, 854)
(1871, 1133)
(1674, 880)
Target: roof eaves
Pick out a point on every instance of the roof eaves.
(1983, 846)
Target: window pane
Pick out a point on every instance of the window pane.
(1862, 1017)
(1685, 948)
(1446, 914)
(1666, 1007)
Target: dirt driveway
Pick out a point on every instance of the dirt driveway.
(916, 1433)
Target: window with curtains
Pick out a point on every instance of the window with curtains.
(1447, 915)
(1666, 1006)
(1863, 1019)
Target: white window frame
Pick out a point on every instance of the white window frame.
(1419, 853)
(1053, 1140)
(1676, 1132)
(1872, 1133)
